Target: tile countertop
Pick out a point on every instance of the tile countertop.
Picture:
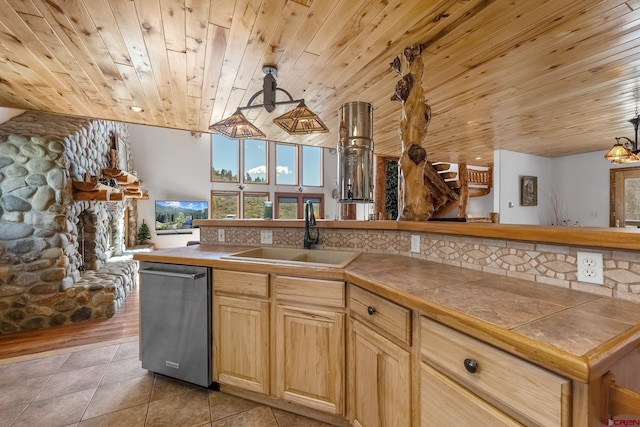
(573, 333)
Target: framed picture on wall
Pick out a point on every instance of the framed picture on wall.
(529, 191)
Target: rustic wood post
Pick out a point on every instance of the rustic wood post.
(414, 199)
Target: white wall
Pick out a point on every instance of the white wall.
(509, 167)
(582, 185)
(578, 187)
(8, 113)
(174, 165)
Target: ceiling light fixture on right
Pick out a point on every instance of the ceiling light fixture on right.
(627, 152)
(300, 121)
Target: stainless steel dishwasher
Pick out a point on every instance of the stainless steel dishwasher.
(175, 321)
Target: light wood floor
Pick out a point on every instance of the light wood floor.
(125, 323)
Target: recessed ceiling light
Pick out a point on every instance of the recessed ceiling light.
(478, 158)
(136, 109)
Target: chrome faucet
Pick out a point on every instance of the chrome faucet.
(310, 226)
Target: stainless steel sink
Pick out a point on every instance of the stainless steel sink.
(319, 257)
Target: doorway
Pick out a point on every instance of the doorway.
(624, 197)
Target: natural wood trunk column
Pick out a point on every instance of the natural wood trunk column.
(414, 198)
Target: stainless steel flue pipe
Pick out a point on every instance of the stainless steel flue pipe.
(355, 152)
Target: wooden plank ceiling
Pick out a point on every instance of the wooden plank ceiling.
(545, 77)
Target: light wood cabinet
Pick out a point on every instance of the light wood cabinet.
(526, 392)
(443, 402)
(310, 344)
(380, 379)
(393, 319)
(241, 330)
(379, 361)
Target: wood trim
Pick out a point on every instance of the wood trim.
(616, 193)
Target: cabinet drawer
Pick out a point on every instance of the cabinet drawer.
(241, 283)
(445, 403)
(329, 293)
(506, 380)
(390, 317)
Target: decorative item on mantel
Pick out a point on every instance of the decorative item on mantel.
(422, 191)
(114, 184)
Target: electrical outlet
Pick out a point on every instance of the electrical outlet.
(415, 243)
(221, 235)
(266, 237)
(590, 268)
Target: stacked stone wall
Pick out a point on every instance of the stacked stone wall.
(42, 278)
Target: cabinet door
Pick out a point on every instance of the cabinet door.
(241, 337)
(310, 355)
(380, 380)
(445, 403)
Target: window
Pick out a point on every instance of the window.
(286, 164)
(287, 207)
(224, 204)
(224, 159)
(253, 205)
(246, 173)
(291, 206)
(311, 166)
(255, 165)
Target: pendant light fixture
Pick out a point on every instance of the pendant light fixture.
(299, 121)
(626, 152)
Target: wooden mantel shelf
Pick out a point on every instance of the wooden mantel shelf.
(596, 237)
(128, 186)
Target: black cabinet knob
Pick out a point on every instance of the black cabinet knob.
(471, 366)
(371, 310)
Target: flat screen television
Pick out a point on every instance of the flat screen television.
(176, 216)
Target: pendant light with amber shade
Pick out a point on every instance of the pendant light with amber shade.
(299, 121)
(626, 152)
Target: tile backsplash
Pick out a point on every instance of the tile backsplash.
(544, 263)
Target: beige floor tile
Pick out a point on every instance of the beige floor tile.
(223, 405)
(92, 357)
(261, 416)
(72, 381)
(164, 387)
(61, 391)
(122, 370)
(32, 368)
(127, 350)
(120, 395)
(130, 417)
(57, 411)
(287, 419)
(22, 392)
(9, 415)
(186, 409)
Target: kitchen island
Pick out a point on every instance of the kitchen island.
(529, 353)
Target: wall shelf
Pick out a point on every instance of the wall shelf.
(127, 186)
